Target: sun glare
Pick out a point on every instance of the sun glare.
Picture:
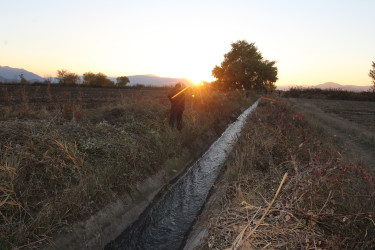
(198, 81)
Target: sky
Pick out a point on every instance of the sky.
(312, 41)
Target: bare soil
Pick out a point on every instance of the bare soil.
(351, 122)
(360, 113)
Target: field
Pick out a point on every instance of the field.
(326, 199)
(68, 151)
(351, 122)
(359, 112)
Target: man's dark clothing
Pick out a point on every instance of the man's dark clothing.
(177, 99)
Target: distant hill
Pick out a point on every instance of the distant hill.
(330, 85)
(153, 80)
(2, 79)
(333, 85)
(157, 80)
(8, 74)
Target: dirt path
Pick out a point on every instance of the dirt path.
(365, 153)
(354, 134)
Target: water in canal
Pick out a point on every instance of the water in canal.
(169, 217)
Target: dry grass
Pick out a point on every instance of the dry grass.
(326, 201)
(62, 162)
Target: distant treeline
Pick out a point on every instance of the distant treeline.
(90, 79)
(331, 94)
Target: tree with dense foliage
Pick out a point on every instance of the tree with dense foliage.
(121, 81)
(67, 78)
(372, 75)
(245, 67)
(96, 80)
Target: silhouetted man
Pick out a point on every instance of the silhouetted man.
(177, 98)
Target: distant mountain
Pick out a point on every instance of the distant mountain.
(2, 79)
(333, 85)
(9, 74)
(157, 80)
(153, 80)
(329, 85)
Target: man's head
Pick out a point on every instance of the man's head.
(178, 86)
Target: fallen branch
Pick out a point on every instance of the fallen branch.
(238, 242)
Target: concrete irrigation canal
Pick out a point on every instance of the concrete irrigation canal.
(170, 216)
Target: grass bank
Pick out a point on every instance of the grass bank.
(62, 162)
(327, 200)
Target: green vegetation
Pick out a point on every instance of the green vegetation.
(67, 78)
(245, 67)
(67, 151)
(332, 94)
(326, 202)
(121, 81)
(96, 80)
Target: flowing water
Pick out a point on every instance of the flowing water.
(168, 219)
